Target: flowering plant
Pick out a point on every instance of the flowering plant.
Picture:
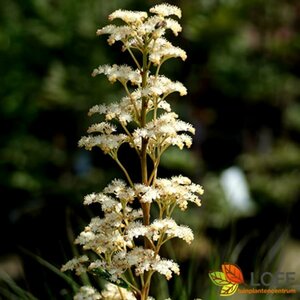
(127, 240)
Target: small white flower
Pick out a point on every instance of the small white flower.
(136, 230)
(171, 229)
(178, 190)
(89, 199)
(113, 292)
(129, 16)
(163, 50)
(116, 33)
(100, 109)
(115, 187)
(165, 10)
(146, 194)
(85, 238)
(87, 293)
(183, 180)
(164, 105)
(123, 111)
(121, 73)
(173, 25)
(76, 264)
(162, 85)
(96, 264)
(166, 267)
(151, 26)
(102, 127)
(107, 142)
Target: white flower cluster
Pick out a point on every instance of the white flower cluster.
(114, 235)
(122, 111)
(140, 27)
(139, 259)
(178, 190)
(146, 260)
(108, 143)
(162, 133)
(87, 293)
(113, 292)
(165, 10)
(130, 17)
(76, 264)
(110, 292)
(161, 86)
(162, 229)
(121, 73)
(163, 50)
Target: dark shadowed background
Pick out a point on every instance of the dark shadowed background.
(243, 78)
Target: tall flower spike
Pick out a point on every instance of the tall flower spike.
(125, 239)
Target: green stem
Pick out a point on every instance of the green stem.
(134, 288)
(124, 170)
(157, 71)
(144, 84)
(146, 288)
(130, 137)
(121, 293)
(144, 172)
(136, 112)
(132, 277)
(170, 212)
(133, 57)
(155, 109)
(143, 157)
(153, 175)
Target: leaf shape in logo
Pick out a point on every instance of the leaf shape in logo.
(229, 289)
(233, 273)
(218, 278)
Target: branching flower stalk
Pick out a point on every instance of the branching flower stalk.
(127, 240)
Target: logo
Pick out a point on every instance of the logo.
(229, 279)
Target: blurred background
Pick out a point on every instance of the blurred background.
(243, 78)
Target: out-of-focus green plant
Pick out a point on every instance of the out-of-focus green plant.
(247, 54)
(242, 75)
(274, 176)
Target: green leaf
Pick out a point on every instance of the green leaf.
(16, 291)
(105, 275)
(229, 289)
(52, 268)
(218, 278)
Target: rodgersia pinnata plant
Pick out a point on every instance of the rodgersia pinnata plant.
(124, 244)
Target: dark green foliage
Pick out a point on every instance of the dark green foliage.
(243, 78)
